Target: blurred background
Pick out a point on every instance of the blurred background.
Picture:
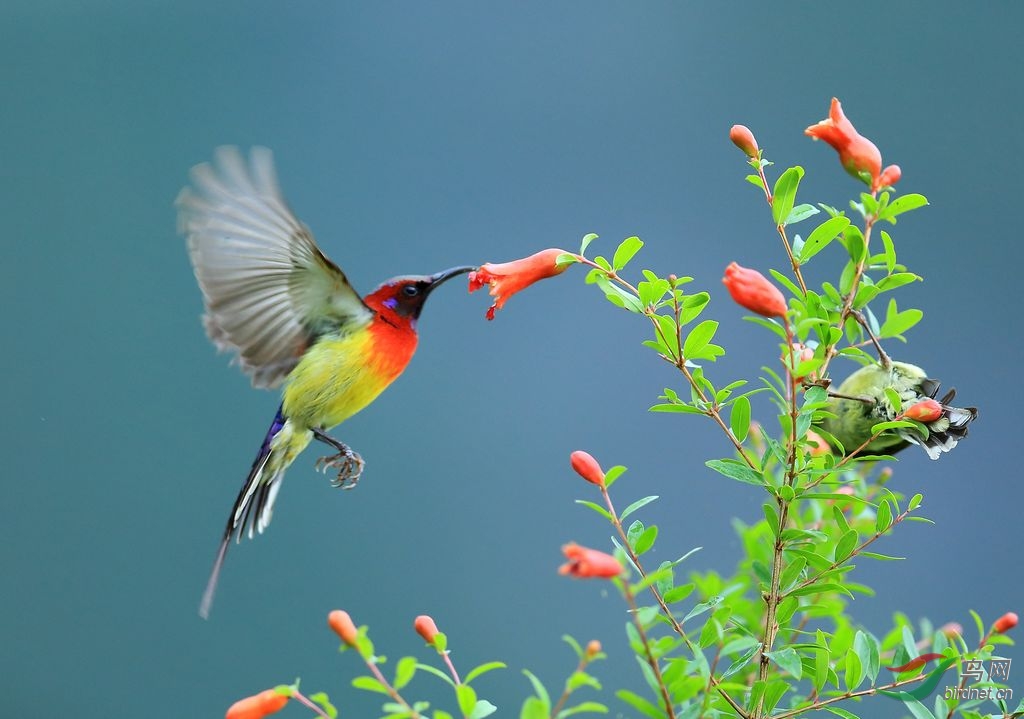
(412, 137)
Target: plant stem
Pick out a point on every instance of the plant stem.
(392, 692)
(652, 662)
(584, 661)
(781, 228)
(848, 695)
(298, 696)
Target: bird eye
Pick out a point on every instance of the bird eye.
(410, 290)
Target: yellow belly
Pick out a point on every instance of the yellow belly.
(336, 378)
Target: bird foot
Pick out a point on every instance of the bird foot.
(349, 465)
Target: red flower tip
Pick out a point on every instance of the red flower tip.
(750, 289)
(507, 278)
(857, 154)
(951, 629)
(593, 648)
(425, 627)
(257, 706)
(343, 626)
(1005, 623)
(587, 467)
(587, 563)
(890, 176)
(927, 410)
(743, 138)
(916, 663)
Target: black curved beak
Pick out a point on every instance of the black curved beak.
(436, 280)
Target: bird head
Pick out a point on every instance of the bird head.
(400, 300)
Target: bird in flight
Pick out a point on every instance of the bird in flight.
(290, 315)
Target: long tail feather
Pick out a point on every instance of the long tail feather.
(252, 508)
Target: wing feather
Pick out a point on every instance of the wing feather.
(267, 287)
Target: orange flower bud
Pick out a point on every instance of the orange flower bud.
(425, 627)
(587, 467)
(819, 447)
(587, 563)
(750, 289)
(927, 410)
(857, 154)
(343, 626)
(593, 648)
(801, 353)
(890, 176)
(507, 278)
(743, 138)
(951, 629)
(257, 706)
(1005, 623)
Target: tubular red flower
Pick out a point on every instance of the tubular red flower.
(1005, 623)
(507, 278)
(426, 628)
(587, 563)
(857, 154)
(257, 706)
(587, 467)
(343, 626)
(927, 410)
(743, 138)
(750, 289)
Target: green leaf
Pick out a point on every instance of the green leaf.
(919, 710)
(678, 594)
(483, 669)
(867, 651)
(896, 323)
(626, 250)
(587, 239)
(854, 674)
(321, 699)
(846, 544)
(906, 203)
(596, 507)
(736, 470)
(822, 235)
(646, 540)
(592, 707)
(699, 337)
(883, 518)
(741, 661)
(466, 696)
(534, 708)
(800, 213)
(739, 418)
(404, 671)
(788, 660)
(436, 672)
(565, 259)
(890, 251)
(637, 505)
(613, 474)
(369, 684)
(784, 194)
(640, 704)
(915, 502)
(840, 712)
(703, 607)
(481, 709)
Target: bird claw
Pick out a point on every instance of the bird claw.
(349, 465)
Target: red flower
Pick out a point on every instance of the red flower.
(927, 410)
(425, 627)
(587, 467)
(743, 138)
(951, 629)
(589, 563)
(343, 626)
(819, 447)
(507, 278)
(857, 154)
(257, 706)
(890, 176)
(801, 353)
(1005, 623)
(750, 289)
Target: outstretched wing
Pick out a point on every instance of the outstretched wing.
(268, 288)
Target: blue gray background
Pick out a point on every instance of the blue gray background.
(411, 137)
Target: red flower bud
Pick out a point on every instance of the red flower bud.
(587, 467)
(927, 410)
(425, 627)
(257, 706)
(890, 176)
(343, 626)
(951, 630)
(507, 278)
(750, 289)
(1005, 623)
(743, 138)
(587, 563)
(593, 648)
(801, 353)
(857, 154)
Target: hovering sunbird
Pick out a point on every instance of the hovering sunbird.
(292, 318)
